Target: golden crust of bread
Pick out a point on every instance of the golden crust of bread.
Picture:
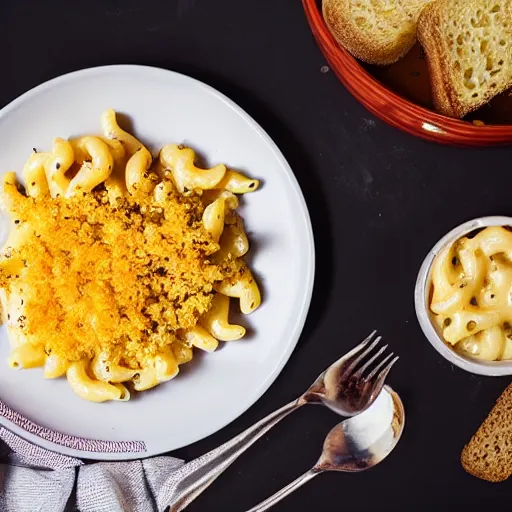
(429, 36)
(368, 44)
(489, 453)
(433, 35)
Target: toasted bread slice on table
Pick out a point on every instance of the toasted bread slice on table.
(489, 453)
(468, 44)
(375, 31)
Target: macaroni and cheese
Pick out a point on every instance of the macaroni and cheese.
(118, 264)
(472, 294)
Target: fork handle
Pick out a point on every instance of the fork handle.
(285, 491)
(194, 477)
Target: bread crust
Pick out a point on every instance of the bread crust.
(488, 455)
(430, 38)
(336, 14)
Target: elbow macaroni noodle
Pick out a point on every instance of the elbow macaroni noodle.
(472, 294)
(122, 165)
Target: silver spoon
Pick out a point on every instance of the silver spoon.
(356, 444)
(349, 386)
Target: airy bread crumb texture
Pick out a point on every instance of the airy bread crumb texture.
(385, 16)
(489, 453)
(125, 280)
(375, 31)
(468, 44)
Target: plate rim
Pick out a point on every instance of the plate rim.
(310, 263)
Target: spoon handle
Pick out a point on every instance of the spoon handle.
(194, 477)
(285, 491)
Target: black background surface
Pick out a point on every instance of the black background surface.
(378, 199)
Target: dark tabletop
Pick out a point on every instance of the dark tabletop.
(378, 199)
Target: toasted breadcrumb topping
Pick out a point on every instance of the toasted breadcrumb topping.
(123, 279)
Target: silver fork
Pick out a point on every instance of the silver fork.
(348, 387)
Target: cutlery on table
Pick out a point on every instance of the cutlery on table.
(349, 386)
(356, 444)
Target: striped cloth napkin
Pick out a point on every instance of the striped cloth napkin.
(36, 479)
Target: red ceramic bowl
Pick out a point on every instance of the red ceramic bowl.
(400, 94)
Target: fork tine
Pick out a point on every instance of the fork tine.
(360, 357)
(366, 365)
(356, 349)
(379, 366)
(368, 338)
(384, 372)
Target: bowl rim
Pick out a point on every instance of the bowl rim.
(421, 293)
(403, 114)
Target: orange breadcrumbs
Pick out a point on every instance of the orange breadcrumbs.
(125, 280)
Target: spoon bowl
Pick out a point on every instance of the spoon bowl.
(363, 441)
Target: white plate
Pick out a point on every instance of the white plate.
(216, 388)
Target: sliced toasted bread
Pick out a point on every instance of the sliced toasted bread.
(468, 44)
(489, 453)
(375, 31)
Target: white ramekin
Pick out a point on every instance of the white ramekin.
(425, 317)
